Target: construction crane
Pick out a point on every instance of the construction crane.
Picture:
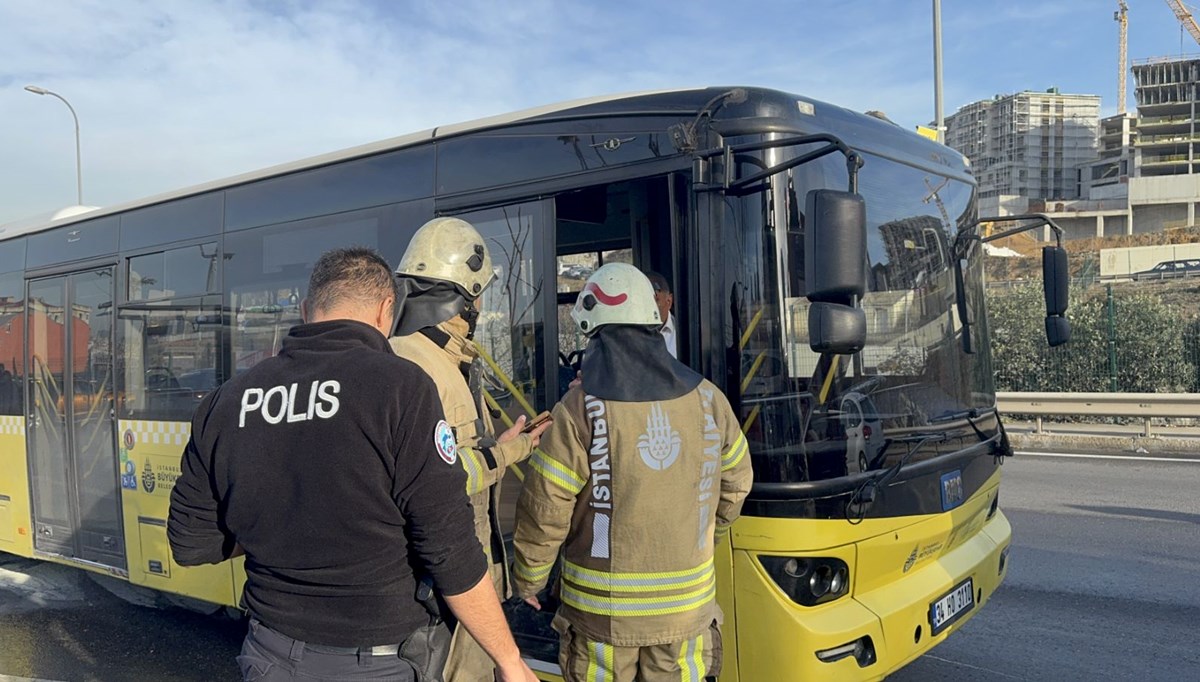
(1121, 15)
(933, 194)
(1185, 18)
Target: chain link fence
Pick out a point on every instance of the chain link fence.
(1133, 336)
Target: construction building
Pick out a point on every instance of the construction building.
(1027, 144)
(1165, 91)
(1107, 176)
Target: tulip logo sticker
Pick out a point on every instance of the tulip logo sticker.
(148, 482)
(659, 445)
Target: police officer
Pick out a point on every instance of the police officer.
(318, 464)
(445, 270)
(644, 466)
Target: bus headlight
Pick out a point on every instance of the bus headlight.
(808, 581)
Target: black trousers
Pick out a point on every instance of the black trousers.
(270, 656)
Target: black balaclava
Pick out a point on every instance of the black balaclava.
(630, 363)
(422, 303)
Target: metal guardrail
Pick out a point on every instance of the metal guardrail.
(1143, 405)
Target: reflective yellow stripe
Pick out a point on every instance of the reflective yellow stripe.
(637, 582)
(474, 469)
(691, 660)
(556, 472)
(599, 662)
(638, 606)
(529, 573)
(730, 459)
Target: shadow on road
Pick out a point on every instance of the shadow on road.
(1160, 514)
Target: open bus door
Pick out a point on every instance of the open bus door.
(543, 252)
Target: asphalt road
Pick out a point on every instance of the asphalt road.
(1102, 585)
(1103, 578)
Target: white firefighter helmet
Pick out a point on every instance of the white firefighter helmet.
(449, 250)
(617, 293)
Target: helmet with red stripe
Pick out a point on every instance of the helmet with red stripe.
(617, 293)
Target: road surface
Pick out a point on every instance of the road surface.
(1102, 585)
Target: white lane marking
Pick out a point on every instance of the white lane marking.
(973, 667)
(1134, 458)
(10, 678)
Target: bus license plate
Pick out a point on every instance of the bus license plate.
(944, 612)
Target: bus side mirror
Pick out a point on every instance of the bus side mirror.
(836, 328)
(835, 246)
(835, 270)
(1055, 283)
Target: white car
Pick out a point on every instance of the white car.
(864, 432)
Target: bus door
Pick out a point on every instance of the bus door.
(636, 222)
(71, 435)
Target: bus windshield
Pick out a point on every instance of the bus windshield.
(812, 417)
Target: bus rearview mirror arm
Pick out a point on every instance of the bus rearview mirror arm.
(1055, 274)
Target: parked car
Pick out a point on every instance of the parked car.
(864, 432)
(1183, 267)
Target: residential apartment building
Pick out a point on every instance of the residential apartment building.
(1027, 144)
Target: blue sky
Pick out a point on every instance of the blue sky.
(173, 93)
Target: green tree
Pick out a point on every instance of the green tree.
(1018, 338)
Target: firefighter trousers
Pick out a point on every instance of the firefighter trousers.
(694, 659)
(468, 662)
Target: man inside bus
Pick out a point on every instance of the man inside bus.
(331, 468)
(644, 467)
(444, 271)
(664, 299)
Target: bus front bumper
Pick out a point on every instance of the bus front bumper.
(867, 635)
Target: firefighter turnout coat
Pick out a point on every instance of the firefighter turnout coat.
(445, 361)
(637, 491)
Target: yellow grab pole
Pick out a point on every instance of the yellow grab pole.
(829, 379)
(506, 381)
(753, 370)
(508, 422)
(750, 328)
(750, 419)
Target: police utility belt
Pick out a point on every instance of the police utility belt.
(382, 650)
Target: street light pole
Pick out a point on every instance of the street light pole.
(940, 122)
(78, 164)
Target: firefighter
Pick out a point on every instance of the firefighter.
(644, 467)
(444, 271)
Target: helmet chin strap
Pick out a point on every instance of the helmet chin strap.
(471, 315)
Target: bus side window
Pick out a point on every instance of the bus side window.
(12, 343)
(267, 271)
(171, 359)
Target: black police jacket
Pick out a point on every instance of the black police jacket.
(332, 467)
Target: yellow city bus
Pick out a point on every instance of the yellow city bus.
(826, 272)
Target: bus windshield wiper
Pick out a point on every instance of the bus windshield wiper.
(862, 498)
(968, 415)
